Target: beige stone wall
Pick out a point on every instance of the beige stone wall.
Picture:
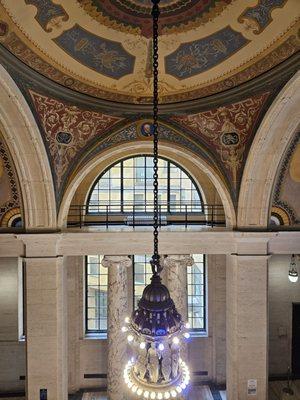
(282, 293)
(12, 351)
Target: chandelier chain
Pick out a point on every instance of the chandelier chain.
(155, 257)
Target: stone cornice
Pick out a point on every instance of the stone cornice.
(123, 243)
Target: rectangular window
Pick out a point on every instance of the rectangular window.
(97, 286)
(96, 295)
(197, 294)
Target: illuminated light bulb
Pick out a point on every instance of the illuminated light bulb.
(152, 395)
(167, 395)
(143, 345)
(134, 388)
(186, 335)
(161, 347)
(187, 325)
(139, 392)
(130, 338)
(179, 390)
(130, 384)
(127, 320)
(124, 329)
(146, 394)
(173, 393)
(293, 276)
(132, 360)
(159, 396)
(183, 386)
(175, 340)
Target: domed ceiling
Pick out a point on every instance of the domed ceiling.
(103, 47)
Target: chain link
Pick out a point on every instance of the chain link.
(155, 16)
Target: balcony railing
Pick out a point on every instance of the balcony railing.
(141, 214)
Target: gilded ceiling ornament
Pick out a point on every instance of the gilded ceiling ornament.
(134, 16)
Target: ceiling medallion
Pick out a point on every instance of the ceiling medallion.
(156, 330)
(133, 16)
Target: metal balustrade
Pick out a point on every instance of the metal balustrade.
(141, 214)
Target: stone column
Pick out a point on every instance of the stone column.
(176, 270)
(246, 326)
(117, 311)
(46, 327)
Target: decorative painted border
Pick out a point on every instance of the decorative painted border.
(283, 168)
(14, 203)
(14, 44)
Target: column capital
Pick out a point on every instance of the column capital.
(110, 261)
(184, 260)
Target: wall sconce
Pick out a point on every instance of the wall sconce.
(293, 273)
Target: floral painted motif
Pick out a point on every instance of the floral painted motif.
(104, 56)
(195, 57)
(48, 14)
(17, 47)
(68, 129)
(261, 13)
(228, 131)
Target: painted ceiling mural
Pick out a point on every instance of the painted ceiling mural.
(103, 48)
(286, 205)
(10, 199)
(67, 130)
(228, 131)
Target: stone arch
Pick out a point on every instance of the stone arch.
(25, 144)
(172, 152)
(269, 146)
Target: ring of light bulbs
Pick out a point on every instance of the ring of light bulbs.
(161, 394)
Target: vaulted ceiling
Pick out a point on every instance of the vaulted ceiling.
(103, 47)
(84, 67)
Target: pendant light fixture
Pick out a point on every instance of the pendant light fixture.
(293, 273)
(156, 330)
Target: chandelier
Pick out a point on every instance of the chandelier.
(293, 273)
(155, 331)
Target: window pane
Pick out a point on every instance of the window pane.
(196, 293)
(96, 291)
(134, 177)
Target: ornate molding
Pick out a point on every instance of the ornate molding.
(111, 261)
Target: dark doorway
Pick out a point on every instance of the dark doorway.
(296, 341)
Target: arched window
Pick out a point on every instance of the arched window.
(127, 186)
